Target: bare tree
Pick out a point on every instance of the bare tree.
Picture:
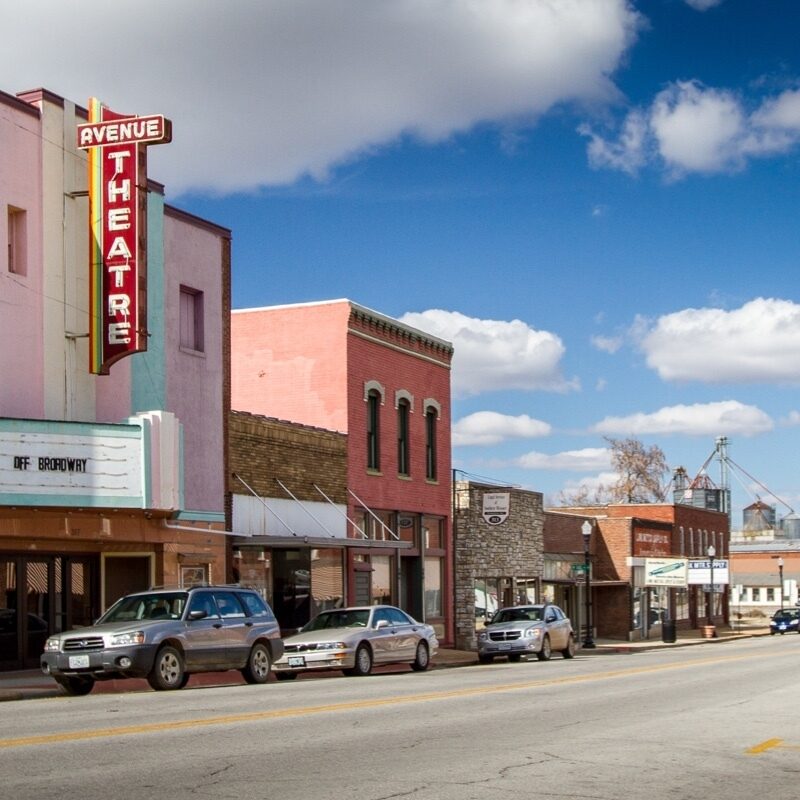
(639, 471)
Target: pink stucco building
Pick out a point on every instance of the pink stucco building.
(107, 482)
(342, 367)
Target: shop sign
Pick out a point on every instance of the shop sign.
(665, 571)
(648, 542)
(700, 571)
(495, 507)
(117, 153)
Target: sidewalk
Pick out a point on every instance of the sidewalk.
(31, 684)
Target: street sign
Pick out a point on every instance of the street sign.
(579, 567)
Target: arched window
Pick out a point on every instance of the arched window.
(403, 424)
(431, 415)
(373, 429)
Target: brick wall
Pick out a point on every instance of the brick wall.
(263, 449)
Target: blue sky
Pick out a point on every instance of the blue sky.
(596, 201)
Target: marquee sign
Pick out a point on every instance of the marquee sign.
(117, 146)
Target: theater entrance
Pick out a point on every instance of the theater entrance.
(40, 595)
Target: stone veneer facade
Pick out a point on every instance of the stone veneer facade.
(512, 549)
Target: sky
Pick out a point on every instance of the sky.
(596, 201)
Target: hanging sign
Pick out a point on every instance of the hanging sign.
(495, 507)
(117, 147)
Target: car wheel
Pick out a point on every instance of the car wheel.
(258, 664)
(486, 659)
(422, 660)
(77, 687)
(168, 672)
(363, 664)
(285, 676)
(544, 652)
(515, 657)
(569, 651)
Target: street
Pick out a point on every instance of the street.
(716, 721)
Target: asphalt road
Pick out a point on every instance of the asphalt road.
(715, 723)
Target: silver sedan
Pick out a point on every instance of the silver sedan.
(519, 631)
(356, 639)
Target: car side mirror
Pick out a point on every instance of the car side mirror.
(381, 623)
(198, 614)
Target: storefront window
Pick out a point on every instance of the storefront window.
(251, 568)
(486, 599)
(681, 604)
(381, 591)
(433, 587)
(327, 580)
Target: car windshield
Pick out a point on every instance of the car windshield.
(518, 615)
(785, 614)
(338, 619)
(146, 606)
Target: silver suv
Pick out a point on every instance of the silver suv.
(164, 635)
(526, 630)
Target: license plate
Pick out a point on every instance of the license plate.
(296, 661)
(78, 662)
(505, 646)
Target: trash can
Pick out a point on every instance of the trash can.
(668, 631)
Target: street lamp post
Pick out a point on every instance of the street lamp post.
(780, 579)
(711, 553)
(586, 530)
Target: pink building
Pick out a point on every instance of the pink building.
(342, 367)
(108, 483)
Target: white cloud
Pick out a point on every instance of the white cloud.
(693, 128)
(266, 91)
(588, 459)
(759, 342)
(593, 483)
(492, 355)
(791, 419)
(700, 419)
(608, 344)
(703, 5)
(490, 427)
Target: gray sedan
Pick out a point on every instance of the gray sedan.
(355, 639)
(526, 630)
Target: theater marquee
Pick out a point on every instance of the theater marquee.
(117, 149)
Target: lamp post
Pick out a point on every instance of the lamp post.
(780, 579)
(586, 530)
(711, 553)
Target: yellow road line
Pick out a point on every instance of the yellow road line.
(763, 747)
(253, 716)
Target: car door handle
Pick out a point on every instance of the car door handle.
(248, 624)
(217, 624)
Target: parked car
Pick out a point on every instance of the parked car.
(518, 631)
(785, 621)
(165, 635)
(355, 639)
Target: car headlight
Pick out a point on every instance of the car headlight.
(52, 646)
(120, 639)
(483, 636)
(533, 633)
(331, 646)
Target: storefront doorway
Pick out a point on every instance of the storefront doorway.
(40, 595)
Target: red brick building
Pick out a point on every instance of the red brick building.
(343, 368)
(624, 537)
